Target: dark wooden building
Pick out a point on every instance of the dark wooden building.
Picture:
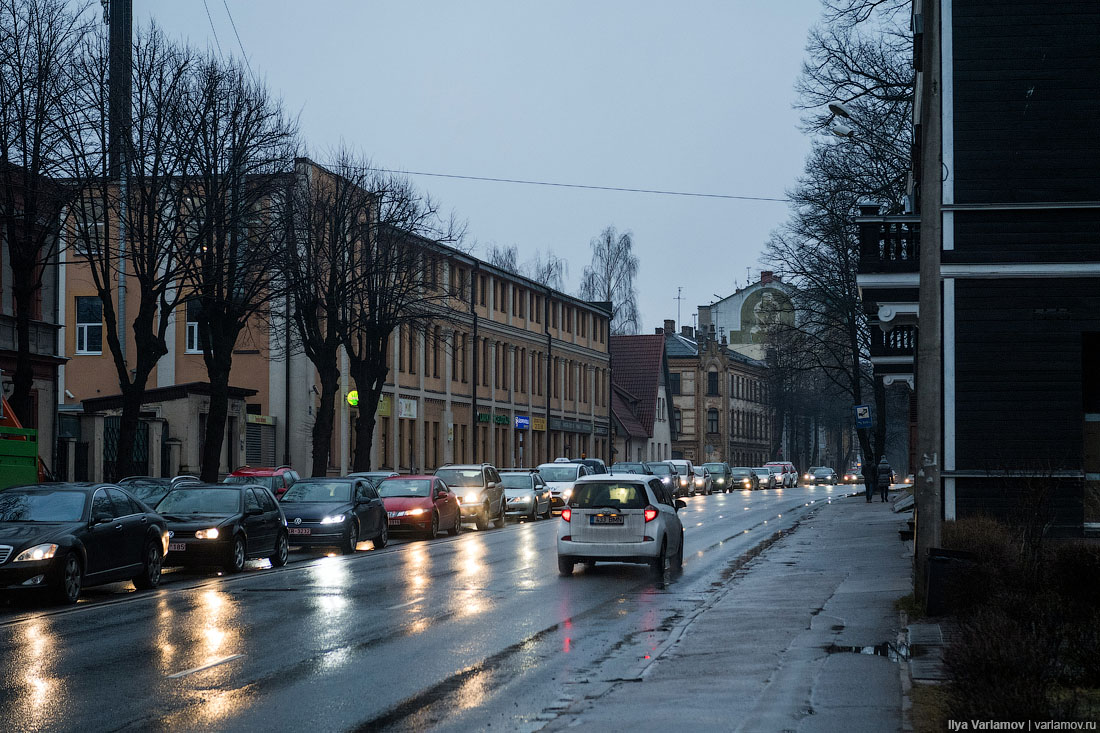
(1018, 89)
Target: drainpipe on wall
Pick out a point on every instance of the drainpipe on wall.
(475, 283)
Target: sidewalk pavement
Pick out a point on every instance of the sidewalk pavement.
(790, 646)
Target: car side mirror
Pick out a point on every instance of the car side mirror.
(101, 517)
(681, 504)
(440, 494)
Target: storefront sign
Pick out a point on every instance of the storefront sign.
(484, 417)
(259, 419)
(599, 430)
(406, 408)
(523, 422)
(500, 419)
(570, 426)
(538, 423)
(385, 406)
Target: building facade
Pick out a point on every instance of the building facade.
(515, 373)
(720, 403)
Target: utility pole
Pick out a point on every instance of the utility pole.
(678, 298)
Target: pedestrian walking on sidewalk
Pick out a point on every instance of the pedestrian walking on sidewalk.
(884, 475)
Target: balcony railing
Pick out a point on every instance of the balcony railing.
(899, 341)
(889, 244)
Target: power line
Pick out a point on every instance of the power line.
(583, 186)
(212, 28)
(238, 35)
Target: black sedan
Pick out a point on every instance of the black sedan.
(224, 524)
(335, 512)
(62, 537)
(825, 475)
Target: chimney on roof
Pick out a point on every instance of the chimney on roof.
(670, 326)
(687, 332)
(659, 331)
(767, 276)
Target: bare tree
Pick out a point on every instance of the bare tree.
(143, 258)
(233, 179)
(37, 37)
(549, 270)
(506, 258)
(329, 210)
(858, 56)
(398, 284)
(610, 278)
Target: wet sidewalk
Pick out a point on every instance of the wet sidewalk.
(803, 640)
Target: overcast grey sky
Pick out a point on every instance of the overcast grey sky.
(693, 96)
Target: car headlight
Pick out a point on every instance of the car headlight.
(415, 512)
(566, 493)
(207, 534)
(472, 498)
(664, 479)
(38, 552)
(334, 519)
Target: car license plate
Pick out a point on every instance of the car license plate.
(607, 519)
(177, 546)
(395, 522)
(298, 530)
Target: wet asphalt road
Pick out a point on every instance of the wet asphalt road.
(458, 633)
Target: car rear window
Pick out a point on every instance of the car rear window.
(460, 477)
(661, 469)
(612, 494)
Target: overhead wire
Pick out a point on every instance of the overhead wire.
(212, 28)
(244, 55)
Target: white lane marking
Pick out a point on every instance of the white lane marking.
(204, 667)
(406, 605)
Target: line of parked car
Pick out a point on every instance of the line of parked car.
(61, 537)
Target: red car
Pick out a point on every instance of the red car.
(421, 504)
(277, 480)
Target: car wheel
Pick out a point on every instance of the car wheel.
(679, 563)
(151, 563)
(69, 581)
(235, 562)
(383, 537)
(454, 530)
(433, 529)
(500, 519)
(348, 548)
(565, 566)
(661, 560)
(282, 551)
(549, 510)
(534, 515)
(482, 518)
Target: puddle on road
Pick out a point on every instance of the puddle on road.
(893, 652)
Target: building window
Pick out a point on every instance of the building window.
(193, 345)
(712, 420)
(674, 382)
(676, 421)
(712, 383)
(89, 325)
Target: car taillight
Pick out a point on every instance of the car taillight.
(566, 513)
(650, 513)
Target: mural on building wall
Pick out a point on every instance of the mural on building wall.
(759, 311)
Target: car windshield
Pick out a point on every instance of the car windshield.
(268, 482)
(660, 469)
(516, 480)
(149, 492)
(715, 467)
(775, 469)
(392, 487)
(41, 505)
(611, 494)
(201, 501)
(465, 477)
(823, 472)
(740, 472)
(568, 472)
(628, 468)
(318, 491)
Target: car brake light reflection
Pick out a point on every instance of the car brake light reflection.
(566, 513)
(650, 513)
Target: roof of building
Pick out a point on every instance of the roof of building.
(679, 346)
(622, 414)
(637, 367)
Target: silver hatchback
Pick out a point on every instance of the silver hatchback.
(621, 518)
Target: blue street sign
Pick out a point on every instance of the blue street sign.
(523, 422)
(863, 417)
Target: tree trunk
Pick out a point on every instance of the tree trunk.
(215, 424)
(23, 378)
(127, 431)
(369, 380)
(322, 426)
